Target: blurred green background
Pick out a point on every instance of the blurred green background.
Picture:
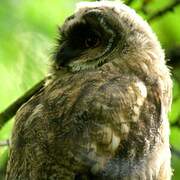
(28, 29)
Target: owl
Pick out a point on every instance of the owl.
(102, 113)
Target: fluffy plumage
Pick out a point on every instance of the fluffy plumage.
(103, 113)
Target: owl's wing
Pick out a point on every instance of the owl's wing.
(126, 117)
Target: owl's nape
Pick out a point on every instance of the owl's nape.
(106, 121)
(84, 34)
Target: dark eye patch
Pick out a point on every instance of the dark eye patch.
(83, 36)
(75, 41)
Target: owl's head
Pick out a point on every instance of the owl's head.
(99, 32)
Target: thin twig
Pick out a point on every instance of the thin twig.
(176, 123)
(164, 11)
(175, 151)
(10, 111)
(4, 143)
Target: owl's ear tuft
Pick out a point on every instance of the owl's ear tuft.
(59, 29)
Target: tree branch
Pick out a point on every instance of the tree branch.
(164, 11)
(10, 111)
(174, 55)
(4, 143)
(176, 123)
(175, 152)
(129, 2)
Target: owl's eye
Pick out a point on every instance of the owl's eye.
(92, 41)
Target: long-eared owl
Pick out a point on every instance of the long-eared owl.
(102, 114)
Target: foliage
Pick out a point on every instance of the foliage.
(27, 36)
